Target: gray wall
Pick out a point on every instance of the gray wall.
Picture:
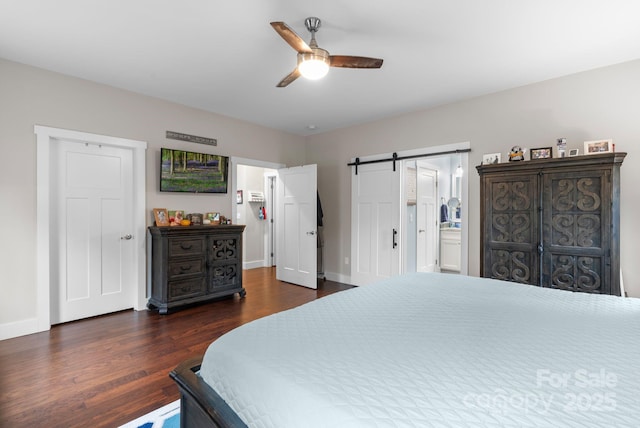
(31, 96)
(601, 103)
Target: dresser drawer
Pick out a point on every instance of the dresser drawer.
(186, 288)
(185, 267)
(186, 246)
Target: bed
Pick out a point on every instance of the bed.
(425, 350)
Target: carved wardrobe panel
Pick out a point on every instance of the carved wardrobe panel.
(553, 222)
(511, 226)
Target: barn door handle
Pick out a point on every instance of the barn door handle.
(395, 233)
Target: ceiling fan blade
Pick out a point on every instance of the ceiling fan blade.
(347, 61)
(290, 78)
(290, 37)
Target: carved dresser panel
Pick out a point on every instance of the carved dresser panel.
(553, 222)
(191, 264)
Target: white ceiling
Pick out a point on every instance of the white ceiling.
(224, 57)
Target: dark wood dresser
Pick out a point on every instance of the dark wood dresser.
(553, 222)
(191, 264)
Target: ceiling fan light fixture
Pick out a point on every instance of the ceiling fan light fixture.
(314, 62)
(314, 65)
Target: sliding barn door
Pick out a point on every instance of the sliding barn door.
(375, 223)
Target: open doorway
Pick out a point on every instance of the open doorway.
(284, 214)
(432, 218)
(253, 182)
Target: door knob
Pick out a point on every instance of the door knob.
(313, 232)
(127, 237)
(421, 231)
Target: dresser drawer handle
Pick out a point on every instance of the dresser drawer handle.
(183, 268)
(186, 247)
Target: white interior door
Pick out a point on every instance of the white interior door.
(375, 223)
(92, 246)
(270, 242)
(426, 218)
(296, 226)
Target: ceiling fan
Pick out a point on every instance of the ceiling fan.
(314, 62)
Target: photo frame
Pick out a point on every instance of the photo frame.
(541, 153)
(161, 216)
(213, 217)
(239, 197)
(195, 219)
(176, 216)
(491, 158)
(598, 146)
(574, 152)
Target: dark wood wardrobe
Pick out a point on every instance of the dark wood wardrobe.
(553, 222)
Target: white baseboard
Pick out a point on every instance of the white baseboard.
(253, 264)
(18, 328)
(338, 277)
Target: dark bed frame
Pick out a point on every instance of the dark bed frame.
(200, 405)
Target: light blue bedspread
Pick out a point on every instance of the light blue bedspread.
(436, 350)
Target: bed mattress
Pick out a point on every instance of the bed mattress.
(436, 350)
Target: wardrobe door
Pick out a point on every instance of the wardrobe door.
(577, 230)
(510, 227)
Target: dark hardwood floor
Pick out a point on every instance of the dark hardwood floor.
(108, 370)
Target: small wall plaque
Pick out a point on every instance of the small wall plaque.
(191, 138)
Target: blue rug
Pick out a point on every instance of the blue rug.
(165, 417)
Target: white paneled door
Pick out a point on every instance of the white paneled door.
(375, 223)
(426, 221)
(296, 225)
(91, 246)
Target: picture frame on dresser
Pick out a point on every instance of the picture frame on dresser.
(195, 219)
(213, 217)
(161, 216)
